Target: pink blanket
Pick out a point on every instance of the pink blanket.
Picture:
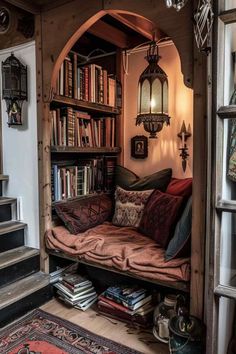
(122, 248)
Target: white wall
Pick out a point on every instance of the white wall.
(162, 152)
(20, 153)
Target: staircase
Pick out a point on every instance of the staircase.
(22, 285)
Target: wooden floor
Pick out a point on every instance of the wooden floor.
(141, 340)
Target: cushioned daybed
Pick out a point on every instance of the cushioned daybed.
(146, 251)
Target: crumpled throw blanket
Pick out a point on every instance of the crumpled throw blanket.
(122, 248)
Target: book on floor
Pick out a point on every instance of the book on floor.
(131, 309)
(75, 280)
(126, 295)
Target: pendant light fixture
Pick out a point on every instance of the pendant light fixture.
(153, 95)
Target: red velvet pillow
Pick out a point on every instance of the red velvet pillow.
(82, 213)
(160, 217)
(180, 187)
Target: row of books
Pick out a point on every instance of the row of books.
(76, 290)
(89, 83)
(77, 128)
(128, 303)
(85, 177)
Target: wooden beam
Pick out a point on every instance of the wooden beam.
(25, 5)
(228, 16)
(129, 23)
(110, 34)
(53, 4)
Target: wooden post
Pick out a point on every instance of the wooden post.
(44, 128)
(199, 185)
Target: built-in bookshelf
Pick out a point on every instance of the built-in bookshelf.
(84, 118)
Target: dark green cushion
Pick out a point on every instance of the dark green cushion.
(179, 245)
(128, 180)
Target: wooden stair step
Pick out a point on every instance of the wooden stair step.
(22, 288)
(16, 255)
(7, 200)
(4, 177)
(10, 226)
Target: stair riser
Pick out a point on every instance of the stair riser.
(21, 307)
(19, 270)
(11, 240)
(7, 212)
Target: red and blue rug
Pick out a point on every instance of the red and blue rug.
(39, 332)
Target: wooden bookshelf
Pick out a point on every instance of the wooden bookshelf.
(85, 150)
(86, 105)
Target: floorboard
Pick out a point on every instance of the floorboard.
(141, 340)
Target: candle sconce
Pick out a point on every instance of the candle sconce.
(184, 134)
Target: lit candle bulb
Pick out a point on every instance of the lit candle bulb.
(183, 139)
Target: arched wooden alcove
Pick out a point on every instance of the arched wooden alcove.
(56, 32)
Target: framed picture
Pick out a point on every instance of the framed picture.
(139, 147)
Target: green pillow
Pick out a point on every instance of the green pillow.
(128, 180)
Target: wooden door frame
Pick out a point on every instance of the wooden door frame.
(49, 59)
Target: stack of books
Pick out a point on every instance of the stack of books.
(76, 291)
(127, 303)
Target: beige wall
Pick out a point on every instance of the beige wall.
(162, 152)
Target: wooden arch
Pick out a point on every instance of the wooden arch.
(64, 25)
(56, 31)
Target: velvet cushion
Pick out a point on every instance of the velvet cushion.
(179, 245)
(128, 180)
(129, 206)
(81, 214)
(160, 216)
(180, 187)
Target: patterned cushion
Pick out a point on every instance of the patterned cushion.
(160, 216)
(128, 180)
(179, 245)
(81, 214)
(129, 207)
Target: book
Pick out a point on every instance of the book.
(85, 305)
(73, 289)
(76, 280)
(142, 320)
(123, 307)
(74, 301)
(127, 295)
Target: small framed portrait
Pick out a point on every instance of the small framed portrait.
(139, 147)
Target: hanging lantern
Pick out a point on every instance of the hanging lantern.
(14, 88)
(153, 95)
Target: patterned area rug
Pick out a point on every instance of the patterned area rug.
(42, 333)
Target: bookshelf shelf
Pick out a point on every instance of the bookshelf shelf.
(85, 150)
(86, 105)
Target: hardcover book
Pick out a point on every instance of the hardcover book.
(126, 295)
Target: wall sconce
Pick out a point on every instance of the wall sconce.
(14, 88)
(153, 95)
(184, 134)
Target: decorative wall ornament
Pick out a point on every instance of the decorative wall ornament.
(184, 134)
(4, 20)
(203, 20)
(177, 4)
(139, 147)
(14, 88)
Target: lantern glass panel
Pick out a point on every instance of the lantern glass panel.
(156, 102)
(139, 101)
(145, 97)
(165, 97)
